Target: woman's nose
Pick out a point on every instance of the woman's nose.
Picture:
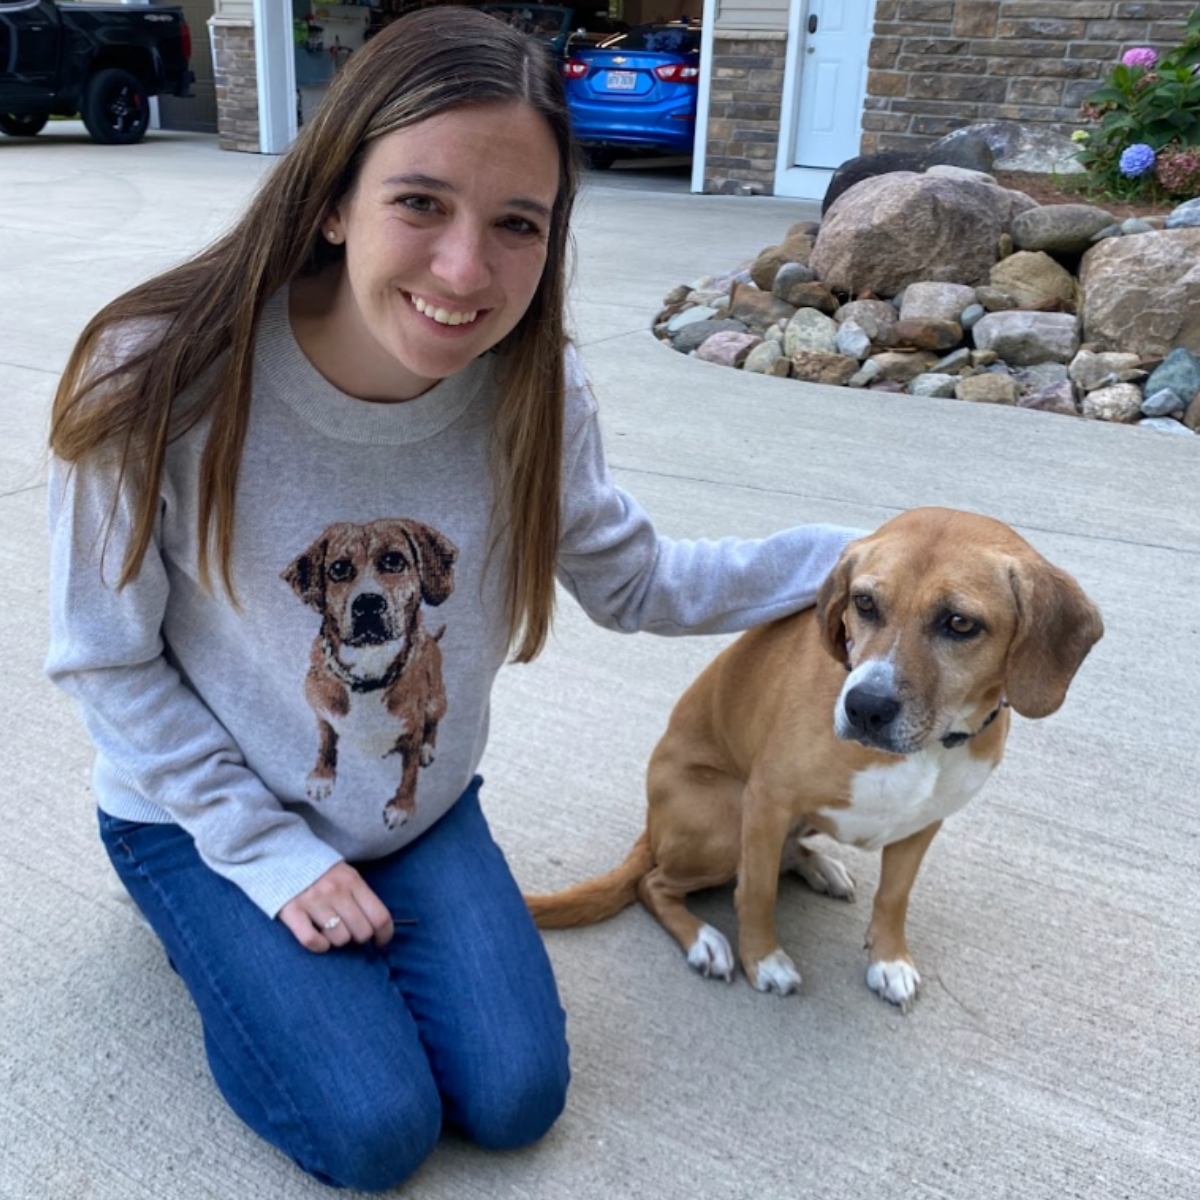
(461, 258)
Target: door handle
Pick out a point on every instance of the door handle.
(812, 22)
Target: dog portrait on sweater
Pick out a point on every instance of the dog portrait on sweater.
(375, 672)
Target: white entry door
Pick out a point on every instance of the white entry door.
(831, 60)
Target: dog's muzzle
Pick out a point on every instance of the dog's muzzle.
(369, 624)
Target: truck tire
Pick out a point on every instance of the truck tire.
(116, 109)
(23, 125)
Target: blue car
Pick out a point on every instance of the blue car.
(636, 92)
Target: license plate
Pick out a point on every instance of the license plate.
(621, 81)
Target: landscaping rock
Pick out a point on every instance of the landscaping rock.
(1090, 370)
(1142, 294)
(1122, 402)
(795, 248)
(810, 330)
(893, 230)
(1024, 338)
(1032, 279)
(1059, 228)
(1164, 403)
(931, 384)
(693, 336)
(727, 349)
(1186, 216)
(938, 336)
(853, 340)
(936, 301)
(1053, 398)
(898, 367)
(788, 276)
(875, 317)
(757, 310)
(690, 316)
(816, 367)
(1179, 371)
(767, 358)
(1165, 425)
(988, 389)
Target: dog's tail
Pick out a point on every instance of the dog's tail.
(597, 899)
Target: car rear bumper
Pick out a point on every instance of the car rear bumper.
(633, 125)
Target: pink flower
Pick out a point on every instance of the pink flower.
(1140, 56)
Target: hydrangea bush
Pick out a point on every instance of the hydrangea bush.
(1146, 135)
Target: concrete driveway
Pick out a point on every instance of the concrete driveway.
(1054, 1050)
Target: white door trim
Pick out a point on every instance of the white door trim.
(800, 183)
(275, 75)
(700, 147)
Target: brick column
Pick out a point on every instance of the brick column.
(743, 111)
(236, 77)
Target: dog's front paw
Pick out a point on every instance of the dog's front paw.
(776, 973)
(428, 754)
(394, 816)
(712, 955)
(318, 786)
(896, 981)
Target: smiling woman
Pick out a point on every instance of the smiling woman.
(309, 491)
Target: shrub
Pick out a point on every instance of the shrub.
(1147, 121)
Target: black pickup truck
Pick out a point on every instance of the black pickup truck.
(103, 61)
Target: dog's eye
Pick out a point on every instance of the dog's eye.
(961, 626)
(864, 605)
(341, 570)
(391, 562)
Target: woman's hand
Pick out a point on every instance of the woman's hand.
(336, 910)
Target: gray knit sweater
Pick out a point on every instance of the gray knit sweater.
(341, 706)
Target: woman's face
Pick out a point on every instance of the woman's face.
(445, 236)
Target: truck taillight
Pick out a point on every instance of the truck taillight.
(186, 36)
(678, 73)
(575, 69)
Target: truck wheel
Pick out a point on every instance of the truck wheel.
(116, 109)
(17, 125)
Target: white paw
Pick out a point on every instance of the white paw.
(394, 817)
(823, 874)
(712, 955)
(895, 981)
(427, 755)
(319, 787)
(776, 973)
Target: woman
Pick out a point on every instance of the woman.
(309, 490)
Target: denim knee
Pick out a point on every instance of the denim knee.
(373, 1149)
(517, 1106)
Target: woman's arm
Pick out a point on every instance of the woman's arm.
(153, 733)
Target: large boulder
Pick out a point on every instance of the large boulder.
(1142, 294)
(892, 230)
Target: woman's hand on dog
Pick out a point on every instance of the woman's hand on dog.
(340, 893)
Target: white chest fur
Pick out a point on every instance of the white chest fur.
(892, 802)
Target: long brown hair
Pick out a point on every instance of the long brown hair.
(205, 312)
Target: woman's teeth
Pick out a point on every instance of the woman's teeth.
(441, 316)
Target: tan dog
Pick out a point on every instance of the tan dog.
(375, 673)
(870, 718)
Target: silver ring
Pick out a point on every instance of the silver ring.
(332, 923)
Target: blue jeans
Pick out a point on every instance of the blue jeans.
(351, 1061)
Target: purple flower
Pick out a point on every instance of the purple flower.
(1140, 56)
(1136, 160)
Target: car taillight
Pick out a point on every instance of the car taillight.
(186, 35)
(574, 69)
(678, 73)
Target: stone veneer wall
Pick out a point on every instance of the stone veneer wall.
(937, 65)
(236, 82)
(743, 113)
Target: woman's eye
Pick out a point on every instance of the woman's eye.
(520, 225)
(419, 204)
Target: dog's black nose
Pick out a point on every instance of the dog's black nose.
(868, 711)
(367, 614)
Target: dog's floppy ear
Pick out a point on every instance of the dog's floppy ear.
(1056, 627)
(306, 574)
(435, 555)
(832, 599)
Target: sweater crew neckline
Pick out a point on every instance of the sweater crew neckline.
(284, 369)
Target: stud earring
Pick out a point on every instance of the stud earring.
(331, 235)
